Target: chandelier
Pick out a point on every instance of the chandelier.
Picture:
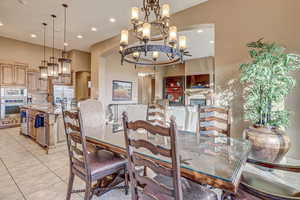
(64, 62)
(44, 64)
(158, 42)
(52, 64)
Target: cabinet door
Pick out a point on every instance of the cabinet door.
(20, 75)
(7, 74)
(32, 81)
(43, 85)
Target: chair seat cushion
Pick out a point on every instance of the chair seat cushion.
(191, 190)
(103, 163)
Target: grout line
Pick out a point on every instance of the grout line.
(13, 179)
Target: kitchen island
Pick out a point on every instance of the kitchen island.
(43, 124)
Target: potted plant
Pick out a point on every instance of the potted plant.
(267, 82)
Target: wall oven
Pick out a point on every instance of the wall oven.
(11, 101)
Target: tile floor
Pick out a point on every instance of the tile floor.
(28, 173)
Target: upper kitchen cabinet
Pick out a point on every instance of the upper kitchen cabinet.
(20, 75)
(13, 74)
(63, 80)
(35, 84)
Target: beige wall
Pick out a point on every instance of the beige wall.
(81, 61)
(18, 51)
(81, 88)
(237, 22)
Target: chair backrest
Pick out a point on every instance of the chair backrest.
(76, 142)
(153, 189)
(156, 113)
(214, 120)
(92, 114)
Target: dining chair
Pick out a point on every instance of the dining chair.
(214, 120)
(156, 112)
(91, 167)
(167, 184)
(255, 187)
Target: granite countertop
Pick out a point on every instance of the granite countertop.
(46, 108)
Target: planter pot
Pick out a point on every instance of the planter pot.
(268, 144)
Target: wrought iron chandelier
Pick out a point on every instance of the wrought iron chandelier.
(52, 64)
(159, 44)
(44, 64)
(64, 62)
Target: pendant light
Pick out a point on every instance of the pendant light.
(44, 64)
(52, 65)
(64, 62)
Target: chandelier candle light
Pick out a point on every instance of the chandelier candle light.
(155, 35)
(64, 61)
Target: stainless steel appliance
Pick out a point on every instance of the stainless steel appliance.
(11, 101)
(65, 93)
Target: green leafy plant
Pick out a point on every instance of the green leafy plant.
(267, 83)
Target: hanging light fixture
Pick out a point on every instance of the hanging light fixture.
(158, 41)
(44, 64)
(64, 62)
(52, 64)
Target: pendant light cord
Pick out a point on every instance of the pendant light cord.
(65, 25)
(53, 16)
(44, 24)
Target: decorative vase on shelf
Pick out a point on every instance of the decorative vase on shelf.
(269, 144)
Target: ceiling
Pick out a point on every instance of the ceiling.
(21, 18)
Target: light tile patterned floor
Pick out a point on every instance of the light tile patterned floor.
(28, 173)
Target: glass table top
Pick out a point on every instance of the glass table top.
(219, 157)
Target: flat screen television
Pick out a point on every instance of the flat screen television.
(198, 81)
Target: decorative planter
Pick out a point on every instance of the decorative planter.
(268, 144)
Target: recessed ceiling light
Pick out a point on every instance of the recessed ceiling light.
(66, 44)
(33, 35)
(112, 20)
(79, 36)
(94, 29)
(1, 24)
(200, 31)
(212, 42)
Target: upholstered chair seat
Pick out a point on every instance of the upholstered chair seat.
(102, 164)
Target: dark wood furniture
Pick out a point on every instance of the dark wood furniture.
(192, 153)
(174, 90)
(89, 166)
(254, 187)
(214, 120)
(167, 184)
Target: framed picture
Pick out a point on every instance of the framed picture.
(122, 91)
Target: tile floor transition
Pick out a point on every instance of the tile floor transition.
(28, 173)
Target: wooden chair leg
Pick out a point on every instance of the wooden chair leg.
(70, 185)
(88, 195)
(126, 182)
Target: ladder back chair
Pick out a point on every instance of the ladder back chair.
(214, 120)
(156, 113)
(168, 184)
(89, 166)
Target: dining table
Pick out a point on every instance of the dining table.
(214, 161)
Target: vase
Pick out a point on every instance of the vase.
(269, 144)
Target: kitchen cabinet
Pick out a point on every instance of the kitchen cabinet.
(63, 80)
(7, 74)
(13, 74)
(34, 84)
(20, 75)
